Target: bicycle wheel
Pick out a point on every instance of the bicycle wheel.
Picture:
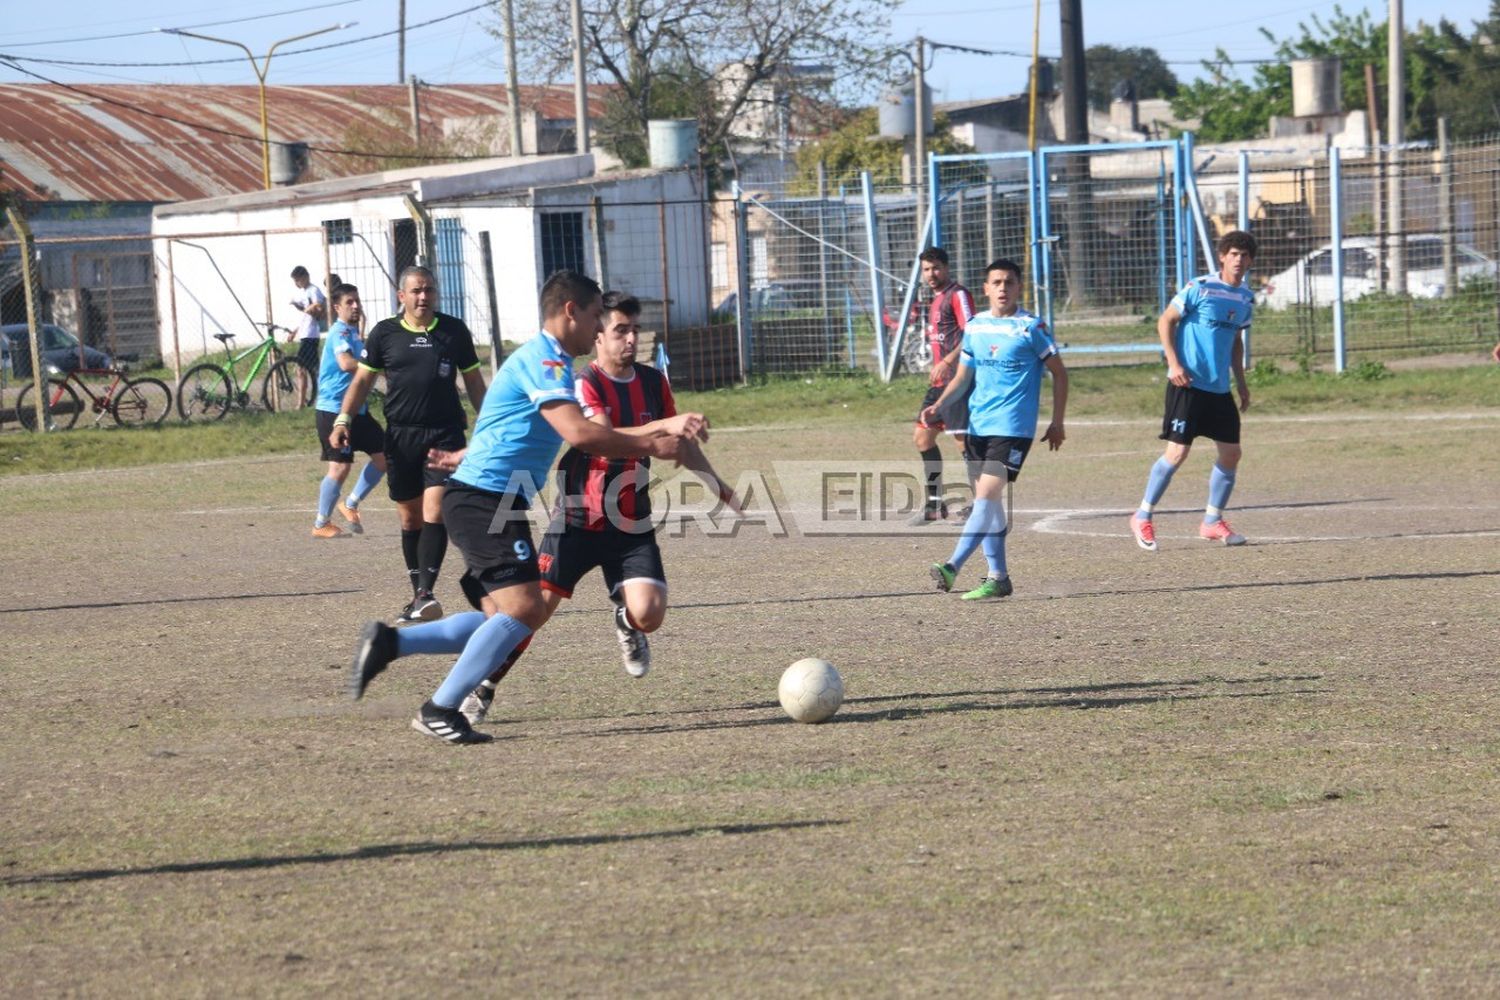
(280, 392)
(204, 393)
(62, 400)
(141, 402)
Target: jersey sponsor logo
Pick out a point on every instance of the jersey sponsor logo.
(553, 370)
(421, 341)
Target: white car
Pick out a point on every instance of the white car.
(1310, 280)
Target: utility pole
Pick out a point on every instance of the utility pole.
(580, 86)
(512, 88)
(401, 41)
(1396, 129)
(919, 100)
(1078, 261)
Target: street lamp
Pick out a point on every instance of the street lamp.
(261, 68)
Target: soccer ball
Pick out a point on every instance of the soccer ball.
(811, 690)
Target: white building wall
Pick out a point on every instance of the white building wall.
(231, 270)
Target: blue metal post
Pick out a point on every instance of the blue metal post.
(934, 203)
(1244, 226)
(1161, 237)
(1336, 221)
(877, 305)
(1044, 239)
(1181, 244)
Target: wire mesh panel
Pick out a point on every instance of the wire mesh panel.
(1420, 249)
(808, 290)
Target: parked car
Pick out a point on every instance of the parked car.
(59, 349)
(1310, 280)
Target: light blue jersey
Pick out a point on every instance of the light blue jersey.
(1213, 314)
(513, 444)
(1007, 354)
(333, 381)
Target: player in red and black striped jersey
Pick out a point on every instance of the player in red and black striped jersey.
(951, 309)
(603, 513)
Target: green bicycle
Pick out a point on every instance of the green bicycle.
(207, 391)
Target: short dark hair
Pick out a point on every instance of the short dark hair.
(622, 302)
(1004, 264)
(937, 254)
(341, 292)
(562, 287)
(1237, 239)
(299, 272)
(418, 269)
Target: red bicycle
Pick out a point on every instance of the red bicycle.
(132, 402)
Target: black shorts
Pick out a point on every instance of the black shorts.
(407, 474)
(365, 434)
(622, 556)
(1192, 413)
(310, 353)
(953, 417)
(493, 533)
(995, 456)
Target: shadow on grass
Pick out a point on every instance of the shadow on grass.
(1092, 696)
(184, 600)
(410, 850)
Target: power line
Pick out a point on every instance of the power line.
(205, 24)
(234, 59)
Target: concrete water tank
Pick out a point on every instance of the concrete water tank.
(673, 142)
(1317, 87)
(898, 112)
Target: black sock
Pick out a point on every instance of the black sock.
(431, 547)
(932, 470)
(409, 538)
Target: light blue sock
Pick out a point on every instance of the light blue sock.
(984, 519)
(1220, 485)
(328, 494)
(486, 649)
(1156, 487)
(369, 477)
(994, 552)
(447, 635)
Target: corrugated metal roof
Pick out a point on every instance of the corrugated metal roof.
(121, 142)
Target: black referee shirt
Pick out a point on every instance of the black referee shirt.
(419, 368)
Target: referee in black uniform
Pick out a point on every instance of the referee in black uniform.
(419, 352)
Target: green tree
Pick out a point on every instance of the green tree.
(722, 56)
(855, 146)
(1231, 108)
(1469, 94)
(1108, 66)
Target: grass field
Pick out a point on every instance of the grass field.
(1261, 771)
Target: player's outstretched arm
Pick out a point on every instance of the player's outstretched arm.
(445, 461)
(682, 425)
(567, 418)
(1055, 434)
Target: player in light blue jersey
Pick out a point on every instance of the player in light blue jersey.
(1201, 336)
(340, 357)
(527, 414)
(1003, 354)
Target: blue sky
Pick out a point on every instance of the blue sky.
(459, 50)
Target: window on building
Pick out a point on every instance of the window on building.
(338, 231)
(562, 241)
